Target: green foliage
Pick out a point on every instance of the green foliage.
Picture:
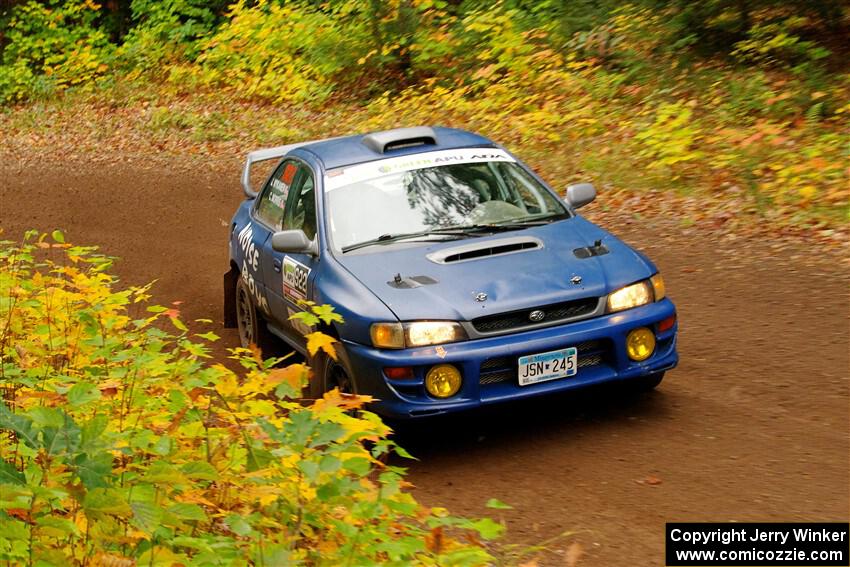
(277, 51)
(166, 32)
(773, 44)
(121, 444)
(712, 26)
(50, 46)
(671, 137)
(630, 94)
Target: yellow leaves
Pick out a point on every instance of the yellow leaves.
(807, 192)
(260, 408)
(295, 375)
(264, 494)
(439, 512)
(366, 57)
(486, 72)
(320, 341)
(110, 560)
(337, 399)
(261, 383)
(327, 547)
(227, 385)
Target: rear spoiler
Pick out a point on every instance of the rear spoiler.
(266, 154)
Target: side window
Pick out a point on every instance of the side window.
(273, 199)
(301, 205)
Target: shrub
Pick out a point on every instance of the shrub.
(121, 441)
(51, 46)
(166, 32)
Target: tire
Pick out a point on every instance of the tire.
(647, 383)
(252, 329)
(329, 374)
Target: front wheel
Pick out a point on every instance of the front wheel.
(329, 374)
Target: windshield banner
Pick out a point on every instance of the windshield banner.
(374, 169)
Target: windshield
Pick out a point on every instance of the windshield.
(411, 195)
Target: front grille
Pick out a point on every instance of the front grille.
(496, 377)
(553, 314)
(504, 368)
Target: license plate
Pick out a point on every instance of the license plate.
(545, 366)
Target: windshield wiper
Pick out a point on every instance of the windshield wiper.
(459, 231)
(508, 225)
(389, 238)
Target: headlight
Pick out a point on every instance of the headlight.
(630, 296)
(417, 333)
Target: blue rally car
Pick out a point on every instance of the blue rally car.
(463, 279)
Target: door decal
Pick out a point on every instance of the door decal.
(251, 264)
(294, 279)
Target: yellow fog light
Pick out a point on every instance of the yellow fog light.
(443, 381)
(640, 344)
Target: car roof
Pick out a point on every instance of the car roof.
(350, 150)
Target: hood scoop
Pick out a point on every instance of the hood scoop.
(478, 250)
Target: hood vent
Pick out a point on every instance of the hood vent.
(485, 249)
(411, 282)
(598, 249)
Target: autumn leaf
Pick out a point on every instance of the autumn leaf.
(256, 353)
(293, 375)
(227, 385)
(109, 387)
(109, 560)
(320, 341)
(335, 398)
(327, 314)
(434, 540)
(807, 192)
(498, 504)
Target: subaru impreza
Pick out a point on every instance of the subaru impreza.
(463, 279)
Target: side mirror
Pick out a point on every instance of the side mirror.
(580, 194)
(294, 241)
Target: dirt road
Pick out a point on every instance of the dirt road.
(752, 426)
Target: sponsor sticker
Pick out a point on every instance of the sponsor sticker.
(289, 173)
(294, 279)
(401, 164)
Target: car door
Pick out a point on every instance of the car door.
(289, 276)
(266, 219)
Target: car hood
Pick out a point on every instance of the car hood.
(527, 278)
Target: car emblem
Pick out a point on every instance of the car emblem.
(481, 296)
(575, 280)
(536, 316)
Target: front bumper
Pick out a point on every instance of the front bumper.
(489, 365)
